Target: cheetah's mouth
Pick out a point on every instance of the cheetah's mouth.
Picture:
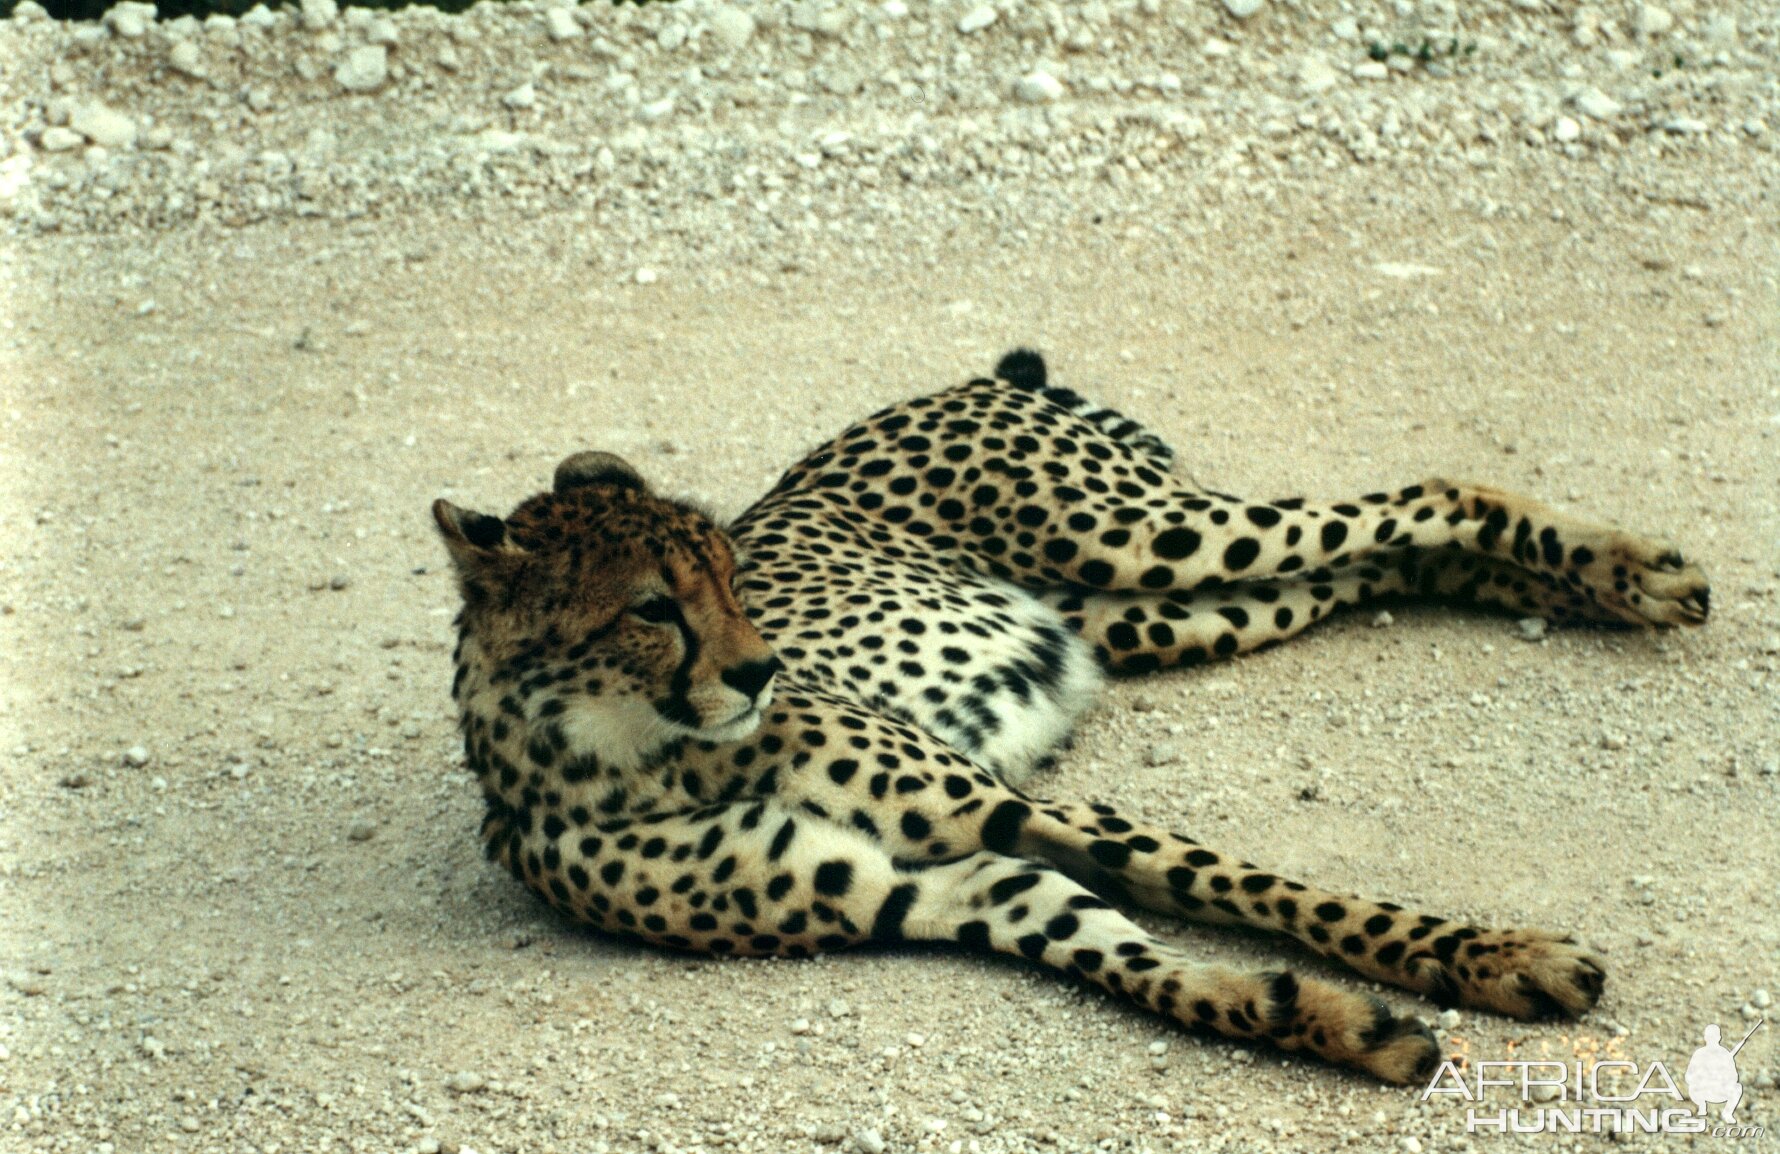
(741, 725)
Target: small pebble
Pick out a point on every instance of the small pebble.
(1531, 628)
(60, 139)
(839, 1008)
(136, 756)
(1596, 104)
(1383, 619)
(1566, 130)
(1449, 1019)
(465, 1082)
(977, 19)
(318, 14)
(1653, 21)
(561, 24)
(185, 58)
(103, 126)
(870, 1141)
(1161, 753)
(647, 276)
(1038, 88)
(732, 27)
(1761, 999)
(1242, 9)
(361, 831)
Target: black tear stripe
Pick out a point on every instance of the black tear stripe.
(676, 706)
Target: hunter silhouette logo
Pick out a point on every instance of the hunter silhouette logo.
(1600, 1095)
(1712, 1072)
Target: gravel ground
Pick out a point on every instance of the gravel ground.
(271, 285)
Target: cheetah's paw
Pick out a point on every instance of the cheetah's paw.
(1641, 581)
(1521, 973)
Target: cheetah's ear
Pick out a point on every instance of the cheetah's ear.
(597, 469)
(472, 537)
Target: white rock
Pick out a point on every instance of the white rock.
(647, 276)
(464, 1082)
(1038, 87)
(977, 19)
(318, 14)
(130, 19)
(1566, 130)
(1653, 21)
(870, 1141)
(103, 126)
(136, 756)
(1597, 105)
(1761, 999)
(656, 109)
(525, 96)
(1722, 29)
(732, 27)
(822, 19)
(561, 24)
(1449, 1019)
(1346, 28)
(1531, 628)
(364, 69)
(59, 139)
(186, 58)
(382, 30)
(1383, 619)
(671, 37)
(1242, 9)
(1315, 74)
(1686, 126)
(1371, 70)
(259, 16)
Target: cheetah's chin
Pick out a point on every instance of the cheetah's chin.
(738, 727)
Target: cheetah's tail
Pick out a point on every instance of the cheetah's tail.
(1025, 369)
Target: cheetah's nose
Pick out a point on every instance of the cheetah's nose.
(750, 677)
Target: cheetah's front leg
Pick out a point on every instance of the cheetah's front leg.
(764, 877)
(1522, 973)
(991, 901)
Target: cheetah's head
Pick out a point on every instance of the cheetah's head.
(599, 625)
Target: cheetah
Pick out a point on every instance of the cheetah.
(813, 728)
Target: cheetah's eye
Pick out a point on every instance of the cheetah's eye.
(656, 610)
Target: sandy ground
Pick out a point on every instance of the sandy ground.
(276, 932)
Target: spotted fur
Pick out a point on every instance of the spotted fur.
(809, 731)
